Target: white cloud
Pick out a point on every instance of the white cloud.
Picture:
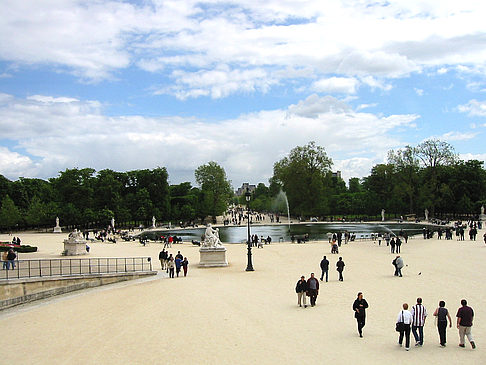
(59, 135)
(457, 136)
(442, 70)
(341, 85)
(474, 108)
(374, 83)
(472, 156)
(365, 106)
(189, 41)
(419, 92)
(218, 83)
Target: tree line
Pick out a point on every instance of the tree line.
(86, 198)
(427, 176)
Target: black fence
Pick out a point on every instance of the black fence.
(73, 267)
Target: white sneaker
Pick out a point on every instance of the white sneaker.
(407, 348)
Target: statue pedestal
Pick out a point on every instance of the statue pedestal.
(482, 217)
(212, 257)
(57, 229)
(74, 248)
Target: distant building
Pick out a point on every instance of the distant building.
(243, 188)
(337, 174)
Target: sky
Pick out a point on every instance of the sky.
(127, 85)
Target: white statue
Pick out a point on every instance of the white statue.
(383, 215)
(211, 237)
(113, 223)
(482, 209)
(57, 228)
(76, 236)
(426, 214)
(153, 222)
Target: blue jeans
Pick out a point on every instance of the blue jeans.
(419, 338)
(325, 272)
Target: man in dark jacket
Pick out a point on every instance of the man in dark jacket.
(312, 289)
(324, 268)
(11, 256)
(359, 307)
(340, 268)
(301, 290)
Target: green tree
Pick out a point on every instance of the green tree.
(9, 213)
(216, 188)
(406, 165)
(305, 176)
(434, 153)
(36, 214)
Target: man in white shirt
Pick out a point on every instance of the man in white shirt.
(405, 317)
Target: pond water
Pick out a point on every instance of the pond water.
(316, 231)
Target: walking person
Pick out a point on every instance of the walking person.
(404, 322)
(171, 266)
(419, 314)
(398, 244)
(162, 258)
(4, 260)
(465, 317)
(359, 307)
(340, 268)
(301, 290)
(325, 268)
(442, 315)
(185, 264)
(178, 264)
(312, 289)
(398, 266)
(11, 256)
(392, 245)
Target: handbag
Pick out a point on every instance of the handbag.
(400, 326)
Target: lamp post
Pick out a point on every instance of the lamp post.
(249, 266)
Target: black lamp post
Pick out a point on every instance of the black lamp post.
(249, 267)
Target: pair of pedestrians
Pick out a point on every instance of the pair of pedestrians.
(411, 320)
(325, 268)
(304, 288)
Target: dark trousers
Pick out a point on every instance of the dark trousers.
(441, 327)
(406, 332)
(419, 337)
(397, 249)
(326, 272)
(171, 273)
(361, 324)
(340, 275)
(313, 296)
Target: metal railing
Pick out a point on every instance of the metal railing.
(75, 267)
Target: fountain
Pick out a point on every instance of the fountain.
(282, 197)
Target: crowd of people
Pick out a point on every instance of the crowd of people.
(173, 264)
(414, 321)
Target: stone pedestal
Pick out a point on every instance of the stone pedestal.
(74, 248)
(482, 217)
(57, 229)
(212, 257)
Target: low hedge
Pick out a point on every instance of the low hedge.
(5, 246)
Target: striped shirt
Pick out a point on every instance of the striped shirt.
(418, 315)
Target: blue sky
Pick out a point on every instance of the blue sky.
(139, 84)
